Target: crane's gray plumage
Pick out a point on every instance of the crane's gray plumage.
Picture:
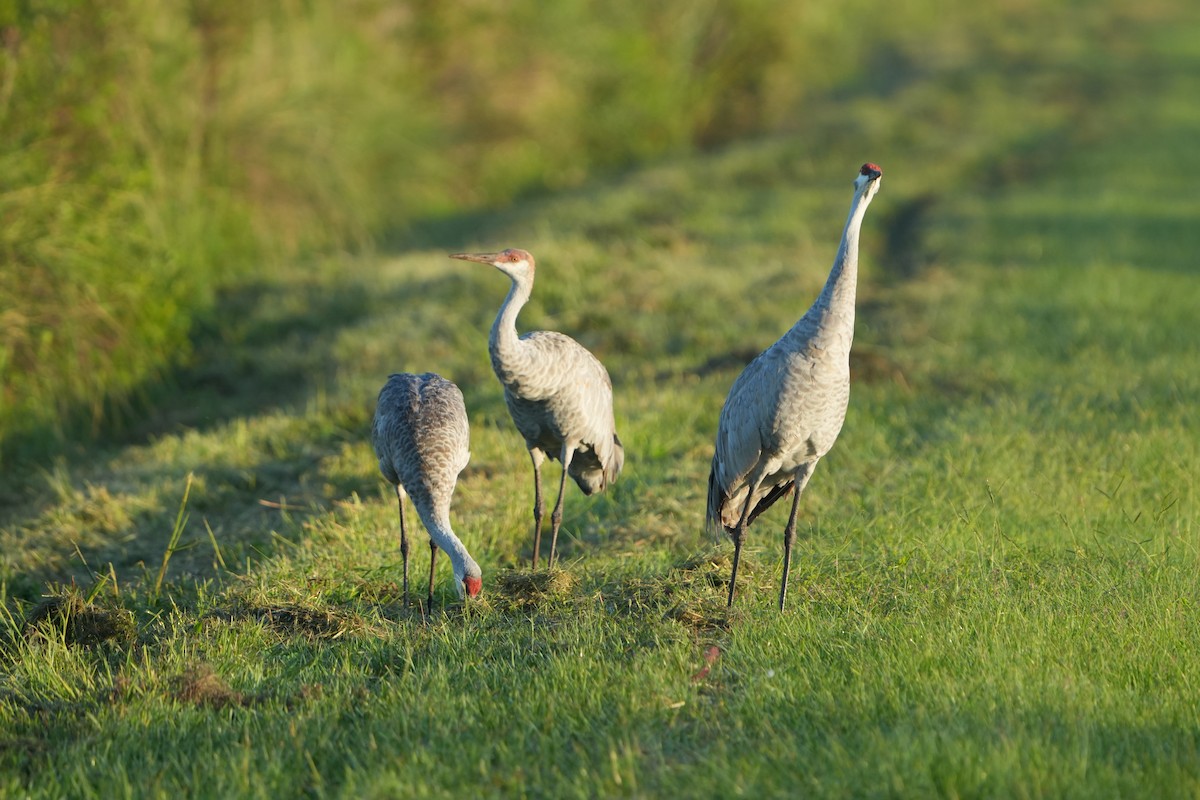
(558, 393)
(422, 440)
(787, 407)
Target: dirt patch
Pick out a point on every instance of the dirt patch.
(702, 619)
(202, 686)
(295, 620)
(535, 588)
(904, 236)
(734, 360)
(80, 623)
(710, 569)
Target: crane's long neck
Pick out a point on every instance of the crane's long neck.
(508, 353)
(834, 308)
(437, 522)
(840, 288)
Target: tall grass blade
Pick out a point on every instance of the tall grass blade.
(180, 523)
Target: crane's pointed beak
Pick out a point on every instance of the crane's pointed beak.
(482, 258)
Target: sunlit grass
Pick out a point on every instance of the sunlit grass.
(994, 589)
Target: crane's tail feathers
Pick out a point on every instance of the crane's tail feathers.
(717, 499)
(591, 475)
(613, 469)
(723, 513)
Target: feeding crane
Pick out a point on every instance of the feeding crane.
(421, 438)
(558, 394)
(785, 410)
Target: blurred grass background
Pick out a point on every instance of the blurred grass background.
(154, 154)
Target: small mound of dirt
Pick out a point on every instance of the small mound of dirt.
(533, 587)
(700, 618)
(305, 621)
(711, 569)
(80, 623)
(202, 686)
(293, 619)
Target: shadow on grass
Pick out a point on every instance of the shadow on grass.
(264, 347)
(239, 366)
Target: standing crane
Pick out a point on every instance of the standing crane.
(787, 407)
(421, 438)
(558, 393)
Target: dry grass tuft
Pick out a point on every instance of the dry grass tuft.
(202, 686)
(700, 618)
(296, 620)
(531, 588)
(709, 569)
(79, 623)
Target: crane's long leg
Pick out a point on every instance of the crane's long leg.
(432, 563)
(568, 453)
(739, 533)
(539, 505)
(403, 540)
(789, 533)
(789, 536)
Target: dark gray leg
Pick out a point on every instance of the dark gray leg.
(739, 533)
(403, 541)
(432, 564)
(556, 516)
(789, 538)
(539, 506)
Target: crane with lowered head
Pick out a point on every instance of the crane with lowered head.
(421, 438)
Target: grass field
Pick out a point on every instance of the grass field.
(995, 589)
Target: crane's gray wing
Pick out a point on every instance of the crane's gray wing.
(391, 429)
(596, 398)
(442, 433)
(743, 442)
(420, 432)
(582, 408)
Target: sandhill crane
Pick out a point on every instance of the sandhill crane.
(787, 407)
(558, 393)
(421, 438)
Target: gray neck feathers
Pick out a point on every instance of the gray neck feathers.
(838, 294)
(508, 355)
(836, 301)
(438, 525)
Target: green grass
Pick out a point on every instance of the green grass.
(996, 581)
(156, 154)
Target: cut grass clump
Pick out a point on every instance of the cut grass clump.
(202, 686)
(522, 588)
(707, 569)
(296, 620)
(70, 618)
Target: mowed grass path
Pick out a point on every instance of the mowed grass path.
(997, 577)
